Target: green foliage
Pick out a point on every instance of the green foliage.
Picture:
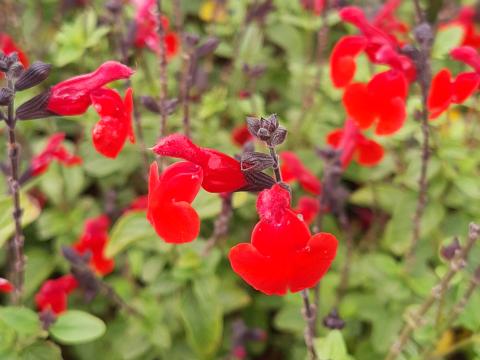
(77, 327)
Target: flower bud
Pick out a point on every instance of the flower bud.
(449, 251)
(263, 134)
(34, 75)
(253, 125)
(278, 136)
(35, 108)
(207, 47)
(255, 161)
(333, 321)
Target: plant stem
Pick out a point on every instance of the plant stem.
(16, 243)
(185, 88)
(344, 277)
(308, 308)
(162, 55)
(221, 225)
(416, 320)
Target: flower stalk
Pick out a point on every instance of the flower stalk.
(162, 62)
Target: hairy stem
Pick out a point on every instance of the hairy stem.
(416, 320)
(185, 89)
(16, 243)
(221, 225)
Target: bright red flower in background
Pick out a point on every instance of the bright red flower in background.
(5, 286)
(221, 173)
(386, 20)
(445, 90)
(94, 240)
(313, 5)
(467, 20)
(354, 145)
(169, 198)
(381, 102)
(241, 135)
(308, 207)
(292, 168)
(380, 46)
(53, 294)
(140, 203)
(7, 46)
(73, 96)
(282, 255)
(146, 34)
(115, 125)
(54, 150)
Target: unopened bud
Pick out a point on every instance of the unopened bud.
(6, 96)
(34, 75)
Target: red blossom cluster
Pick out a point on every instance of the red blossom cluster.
(293, 169)
(146, 24)
(53, 295)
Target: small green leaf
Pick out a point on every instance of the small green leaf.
(42, 351)
(332, 347)
(77, 327)
(23, 320)
(130, 228)
(447, 39)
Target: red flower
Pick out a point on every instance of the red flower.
(292, 168)
(169, 198)
(385, 18)
(381, 101)
(7, 46)
(354, 144)
(282, 255)
(146, 23)
(445, 90)
(115, 125)
(380, 46)
(73, 96)
(53, 294)
(241, 135)
(93, 240)
(221, 173)
(5, 286)
(54, 150)
(467, 19)
(308, 207)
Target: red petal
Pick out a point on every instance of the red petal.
(181, 181)
(369, 152)
(441, 91)
(175, 223)
(310, 264)
(293, 168)
(308, 207)
(264, 273)
(334, 138)
(342, 61)
(273, 203)
(392, 117)
(387, 85)
(464, 86)
(5, 286)
(468, 55)
(358, 105)
(128, 103)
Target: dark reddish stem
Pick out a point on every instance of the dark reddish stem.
(16, 243)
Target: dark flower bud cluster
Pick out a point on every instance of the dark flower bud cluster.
(267, 129)
(333, 321)
(253, 71)
(10, 64)
(255, 161)
(448, 252)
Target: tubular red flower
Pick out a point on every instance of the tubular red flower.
(308, 207)
(73, 96)
(468, 55)
(282, 255)
(94, 240)
(221, 173)
(292, 168)
(385, 18)
(342, 61)
(466, 19)
(354, 144)
(54, 293)
(8, 46)
(54, 150)
(445, 90)
(138, 204)
(146, 23)
(115, 125)
(5, 286)
(381, 101)
(169, 198)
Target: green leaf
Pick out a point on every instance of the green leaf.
(202, 316)
(332, 347)
(39, 266)
(31, 210)
(42, 351)
(130, 228)
(77, 327)
(207, 205)
(447, 39)
(23, 320)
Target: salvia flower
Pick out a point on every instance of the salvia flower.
(146, 34)
(221, 173)
(386, 20)
(140, 203)
(354, 145)
(292, 169)
(53, 150)
(94, 240)
(467, 19)
(445, 90)
(53, 294)
(115, 125)
(380, 102)
(381, 47)
(282, 254)
(5, 286)
(241, 135)
(170, 196)
(316, 6)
